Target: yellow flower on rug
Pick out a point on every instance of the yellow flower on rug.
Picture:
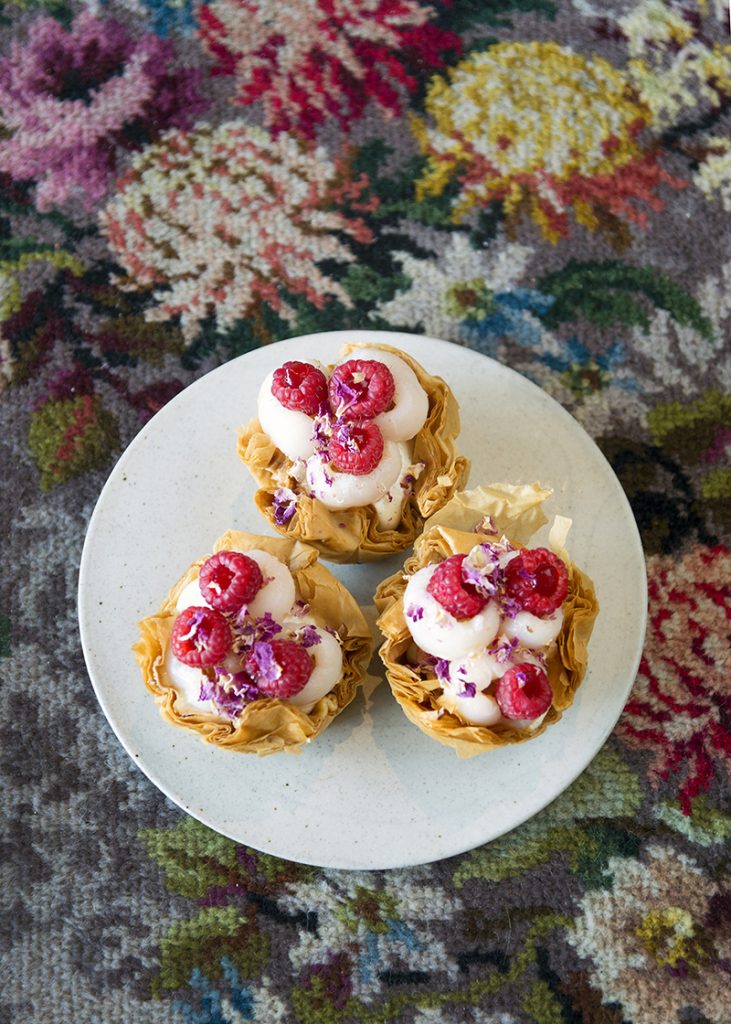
(544, 130)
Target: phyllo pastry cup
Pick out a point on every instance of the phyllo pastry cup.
(266, 725)
(359, 534)
(487, 514)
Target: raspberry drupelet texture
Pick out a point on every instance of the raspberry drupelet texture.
(361, 389)
(229, 579)
(279, 668)
(538, 580)
(300, 387)
(201, 637)
(356, 448)
(449, 588)
(523, 692)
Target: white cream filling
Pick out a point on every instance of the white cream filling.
(327, 669)
(291, 431)
(390, 506)
(439, 633)
(410, 406)
(346, 490)
(483, 670)
(531, 631)
(276, 596)
(482, 709)
(187, 682)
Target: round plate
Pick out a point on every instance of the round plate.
(372, 791)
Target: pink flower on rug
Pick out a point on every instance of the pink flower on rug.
(311, 61)
(70, 100)
(221, 221)
(679, 706)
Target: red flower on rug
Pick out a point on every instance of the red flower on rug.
(313, 61)
(680, 705)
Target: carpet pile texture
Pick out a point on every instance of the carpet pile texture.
(548, 183)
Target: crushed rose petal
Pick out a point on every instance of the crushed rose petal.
(322, 431)
(309, 636)
(441, 669)
(345, 395)
(267, 664)
(481, 568)
(285, 505)
(486, 525)
(503, 650)
(248, 630)
(230, 692)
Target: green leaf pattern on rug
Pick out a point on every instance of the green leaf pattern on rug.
(573, 824)
(696, 433)
(202, 942)
(11, 270)
(70, 436)
(607, 293)
(706, 825)
(194, 857)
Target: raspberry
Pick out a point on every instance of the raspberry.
(356, 447)
(200, 637)
(537, 580)
(523, 692)
(453, 593)
(301, 387)
(229, 580)
(280, 668)
(361, 389)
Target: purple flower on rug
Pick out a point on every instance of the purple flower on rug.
(71, 99)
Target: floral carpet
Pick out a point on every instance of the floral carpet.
(545, 181)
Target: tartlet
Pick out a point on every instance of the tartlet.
(429, 473)
(469, 702)
(231, 709)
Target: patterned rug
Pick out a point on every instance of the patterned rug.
(546, 182)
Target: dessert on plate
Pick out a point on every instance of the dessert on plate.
(353, 457)
(257, 647)
(486, 634)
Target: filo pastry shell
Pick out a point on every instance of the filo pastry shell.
(515, 512)
(354, 535)
(270, 725)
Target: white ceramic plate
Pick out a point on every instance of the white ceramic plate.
(372, 791)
